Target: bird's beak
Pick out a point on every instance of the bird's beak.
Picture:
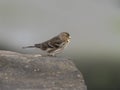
(69, 37)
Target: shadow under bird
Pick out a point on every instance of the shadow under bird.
(54, 45)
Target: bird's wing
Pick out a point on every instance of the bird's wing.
(55, 42)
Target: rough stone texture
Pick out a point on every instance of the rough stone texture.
(31, 72)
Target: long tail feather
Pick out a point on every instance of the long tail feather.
(28, 47)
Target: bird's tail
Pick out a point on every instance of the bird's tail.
(28, 47)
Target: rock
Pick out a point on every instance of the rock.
(31, 72)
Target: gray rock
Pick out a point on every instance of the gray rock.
(32, 72)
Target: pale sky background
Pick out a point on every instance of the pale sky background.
(94, 25)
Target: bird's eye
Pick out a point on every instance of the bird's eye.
(67, 34)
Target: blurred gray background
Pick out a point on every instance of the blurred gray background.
(94, 26)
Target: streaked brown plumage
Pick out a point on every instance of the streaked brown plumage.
(54, 45)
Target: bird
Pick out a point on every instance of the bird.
(54, 45)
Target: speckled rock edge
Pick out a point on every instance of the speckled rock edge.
(33, 72)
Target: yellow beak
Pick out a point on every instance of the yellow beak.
(69, 37)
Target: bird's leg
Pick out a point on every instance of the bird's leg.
(51, 54)
(58, 51)
(54, 52)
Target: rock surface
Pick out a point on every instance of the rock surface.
(31, 72)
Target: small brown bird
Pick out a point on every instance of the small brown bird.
(54, 45)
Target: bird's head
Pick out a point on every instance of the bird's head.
(65, 36)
